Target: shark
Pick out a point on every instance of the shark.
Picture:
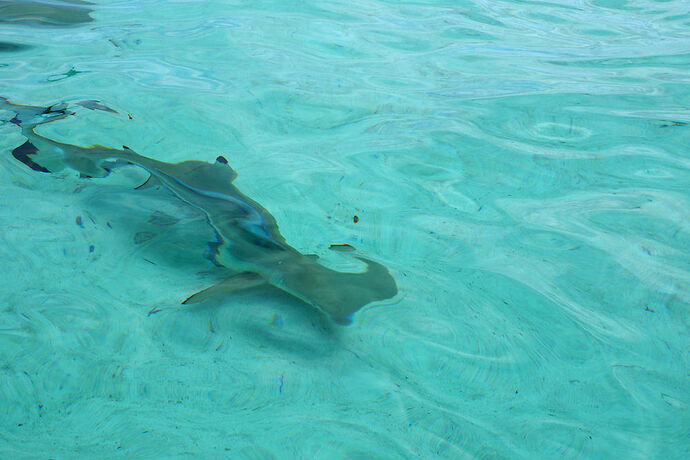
(248, 240)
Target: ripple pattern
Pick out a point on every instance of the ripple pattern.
(522, 168)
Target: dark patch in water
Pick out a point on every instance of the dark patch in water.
(212, 252)
(161, 219)
(95, 105)
(277, 321)
(62, 76)
(143, 237)
(344, 320)
(8, 47)
(673, 123)
(41, 13)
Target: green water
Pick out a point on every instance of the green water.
(522, 168)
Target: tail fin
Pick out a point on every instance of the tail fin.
(30, 115)
(45, 155)
(27, 117)
(24, 152)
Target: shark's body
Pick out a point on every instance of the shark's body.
(249, 241)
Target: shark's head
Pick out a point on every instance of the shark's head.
(340, 294)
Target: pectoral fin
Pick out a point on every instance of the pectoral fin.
(238, 282)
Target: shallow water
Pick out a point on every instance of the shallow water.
(522, 168)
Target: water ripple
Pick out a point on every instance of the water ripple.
(522, 168)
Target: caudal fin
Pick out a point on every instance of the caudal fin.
(31, 115)
(45, 155)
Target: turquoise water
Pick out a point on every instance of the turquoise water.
(521, 168)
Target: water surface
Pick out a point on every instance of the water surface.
(522, 168)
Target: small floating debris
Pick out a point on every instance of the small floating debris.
(62, 76)
(673, 123)
(79, 222)
(154, 310)
(91, 248)
(161, 219)
(277, 321)
(143, 237)
(355, 218)
(341, 247)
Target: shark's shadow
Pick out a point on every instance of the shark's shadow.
(177, 238)
(156, 226)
